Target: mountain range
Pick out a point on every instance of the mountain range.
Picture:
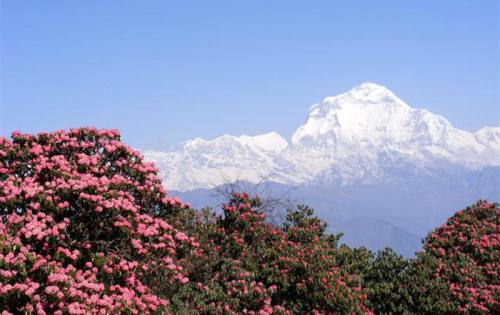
(372, 166)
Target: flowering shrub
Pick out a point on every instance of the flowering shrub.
(78, 231)
(256, 268)
(467, 254)
(457, 272)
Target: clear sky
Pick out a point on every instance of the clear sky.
(167, 71)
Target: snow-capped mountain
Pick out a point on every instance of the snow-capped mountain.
(355, 137)
(373, 167)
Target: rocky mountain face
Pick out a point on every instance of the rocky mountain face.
(364, 159)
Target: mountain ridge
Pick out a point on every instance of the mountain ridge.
(349, 133)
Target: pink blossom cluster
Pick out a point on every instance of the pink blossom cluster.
(78, 231)
(468, 249)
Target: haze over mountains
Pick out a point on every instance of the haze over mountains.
(373, 167)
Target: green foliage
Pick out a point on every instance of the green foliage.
(385, 278)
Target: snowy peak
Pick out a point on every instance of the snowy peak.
(271, 142)
(369, 113)
(370, 87)
(365, 94)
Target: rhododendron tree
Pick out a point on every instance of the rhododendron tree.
(257, 268)
(457, 272)
(466, 251)
(79, 232)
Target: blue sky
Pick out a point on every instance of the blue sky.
(167, 71)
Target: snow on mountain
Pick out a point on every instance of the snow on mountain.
(368, 112)
(356, 136)
(489, 136)
(203, 163)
